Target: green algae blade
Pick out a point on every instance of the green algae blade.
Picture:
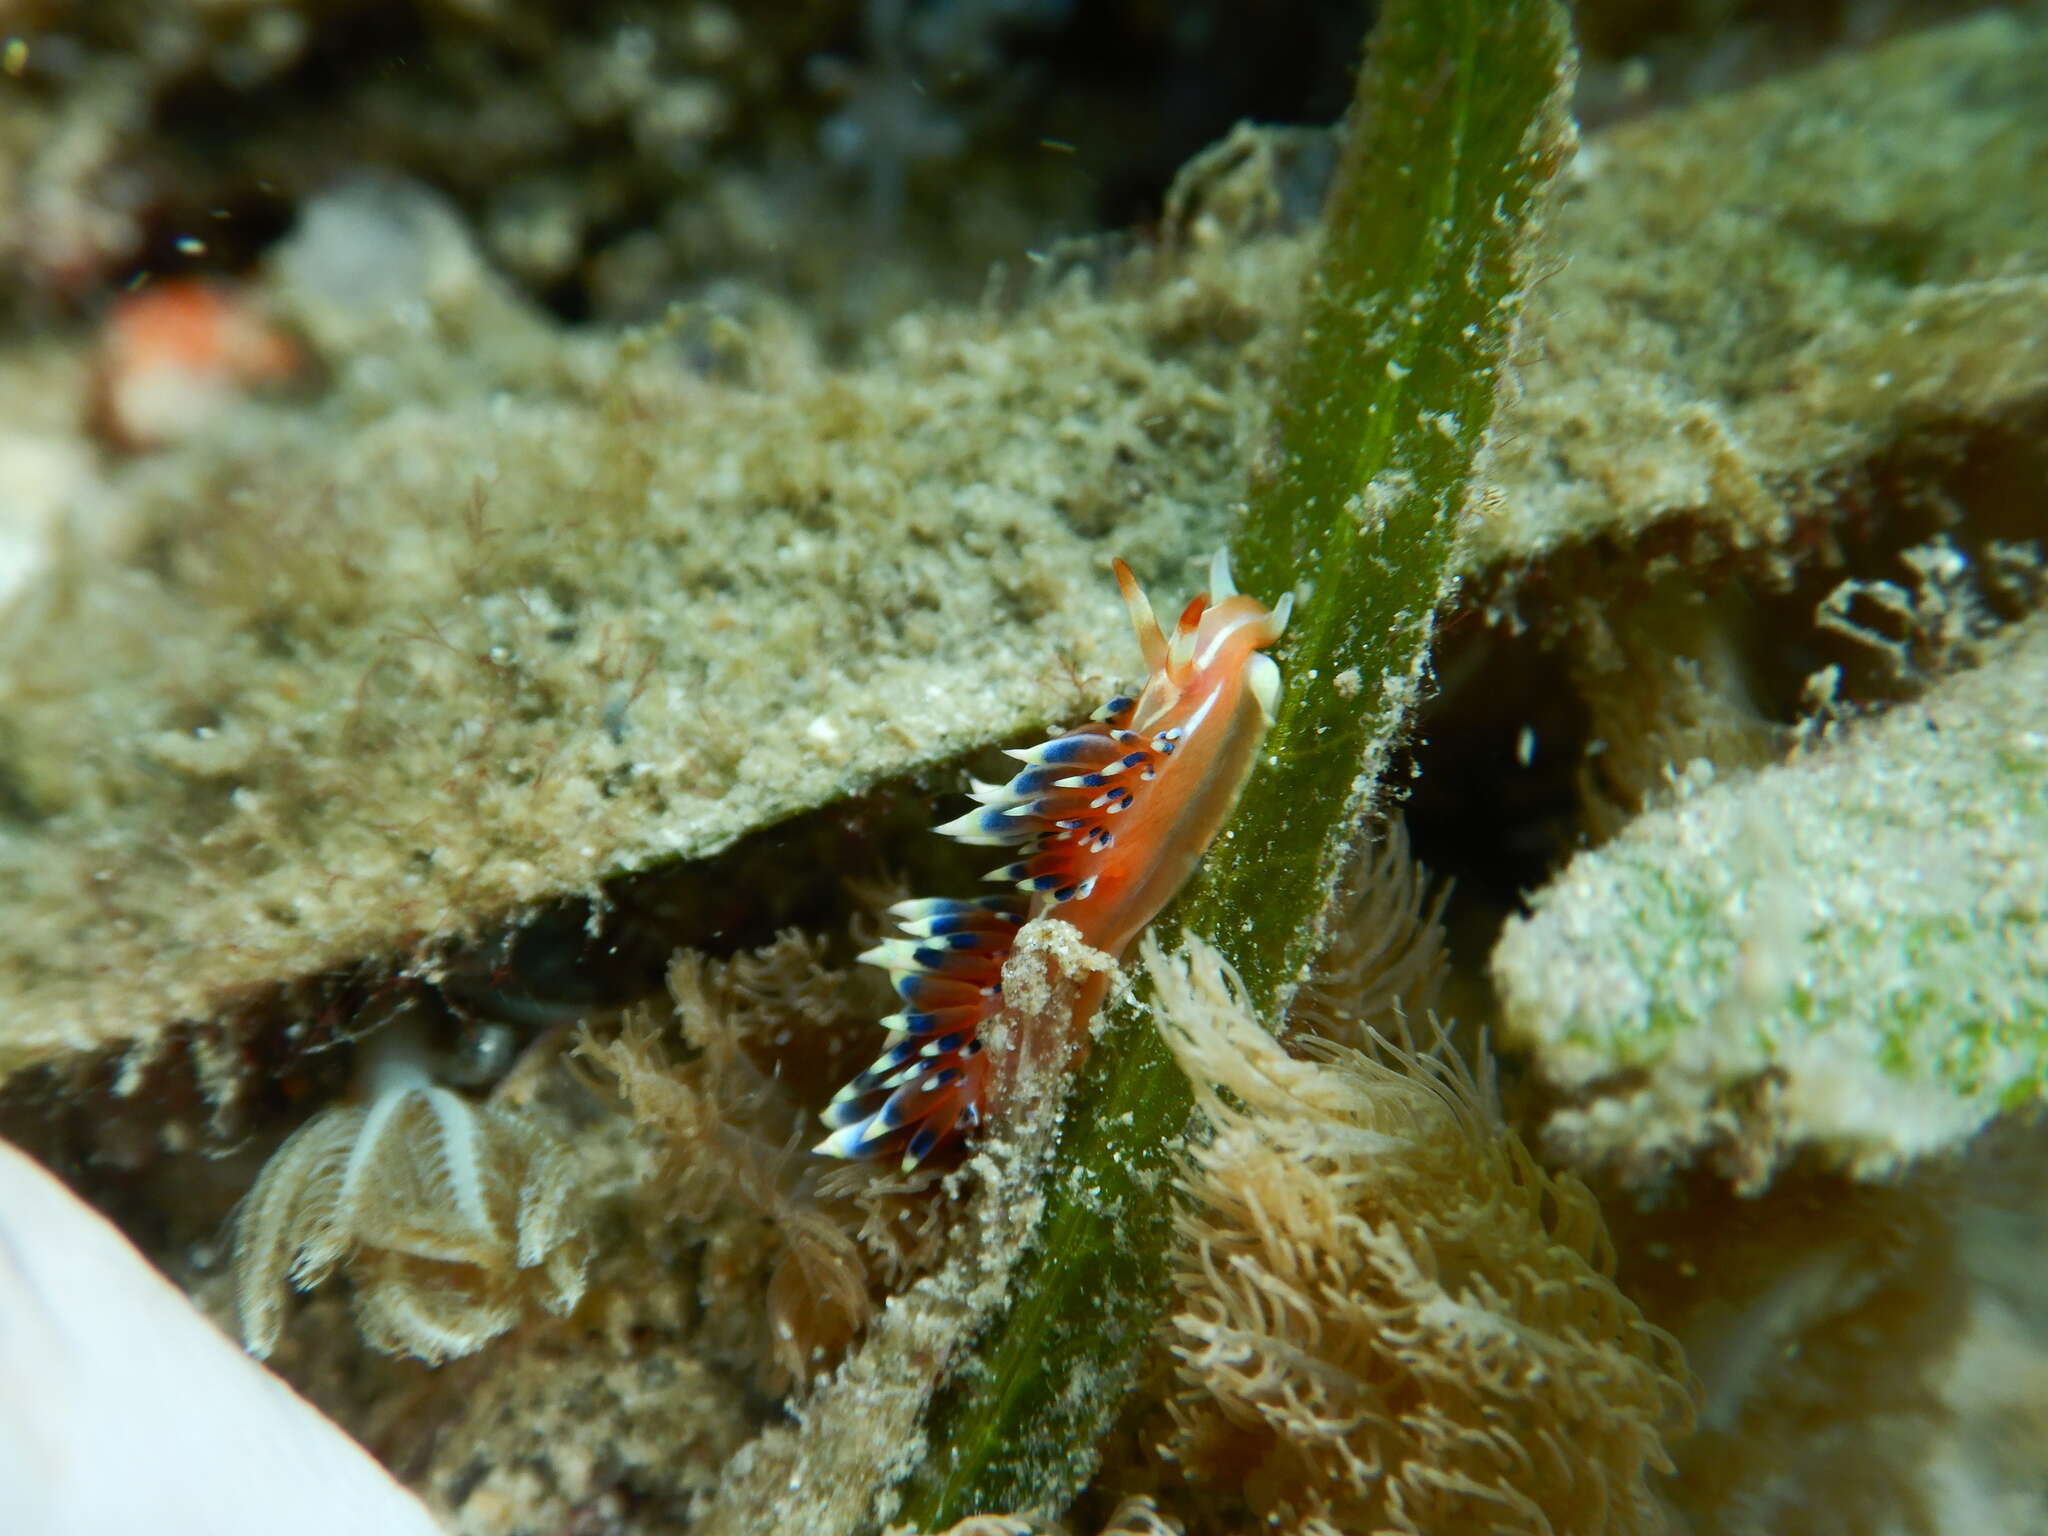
(1459, 123)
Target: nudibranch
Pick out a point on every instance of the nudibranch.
(1107, 821)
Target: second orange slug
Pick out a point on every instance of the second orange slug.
(1108, 820)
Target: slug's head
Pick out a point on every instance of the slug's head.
(1221, 633)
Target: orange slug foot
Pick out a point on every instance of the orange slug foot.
(1108, 820)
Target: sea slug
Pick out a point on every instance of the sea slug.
(1108, 820)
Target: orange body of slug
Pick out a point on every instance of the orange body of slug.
(1108, 820)
(175, 353)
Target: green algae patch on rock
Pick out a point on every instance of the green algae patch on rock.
(1762, 291)
(1845, 955)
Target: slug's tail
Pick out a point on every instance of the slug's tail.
(927, 1087)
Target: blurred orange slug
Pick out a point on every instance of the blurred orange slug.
(173, 353)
